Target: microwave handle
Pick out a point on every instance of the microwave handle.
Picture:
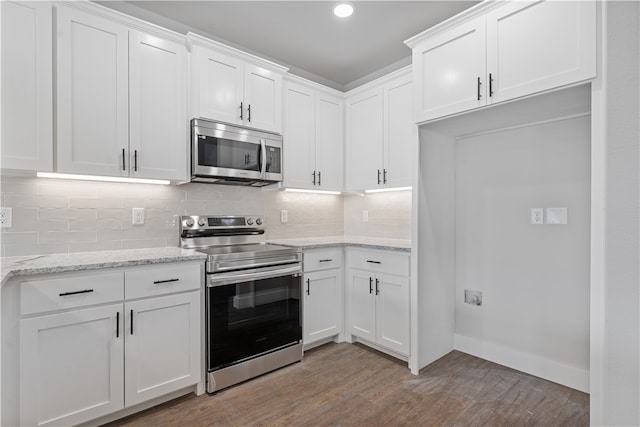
(263, 157)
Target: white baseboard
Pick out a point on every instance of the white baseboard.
(548, 369)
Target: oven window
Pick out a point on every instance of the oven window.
(227, 153)
(250, 318)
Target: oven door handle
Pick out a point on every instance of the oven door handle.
(221, 279)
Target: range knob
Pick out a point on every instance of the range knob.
(189, 222)
(202, 222)
(249, 221)
(258, 221)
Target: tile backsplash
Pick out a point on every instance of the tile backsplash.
(59, 216)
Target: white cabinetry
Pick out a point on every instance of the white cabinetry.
(512, 50)
(323, 308)
(380, 134)
(84, 353)
(227, 86)
(27, 86)
(121, 99)
(313, 137)
(378, 294)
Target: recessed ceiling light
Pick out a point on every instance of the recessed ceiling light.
(343, 9)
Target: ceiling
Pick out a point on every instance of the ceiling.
(305, 35)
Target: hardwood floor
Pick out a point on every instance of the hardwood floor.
(351, 385)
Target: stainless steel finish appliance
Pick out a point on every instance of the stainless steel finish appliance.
(253, 298)
(226, 154)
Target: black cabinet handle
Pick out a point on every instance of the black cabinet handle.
(308, 286)
(373, 262)
(85, 291)
(118, 324)
(384, 176)
(241, 112)
(479, 83)
(319, 178)
(314, 177)
(131, 322)
(157, 282)
(378, 176)
(370, 285)
(490, 85)
(377, 286)
(135, 160)
(325, 260)
(249, 110)
(123, 161)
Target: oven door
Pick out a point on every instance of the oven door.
(252, 312)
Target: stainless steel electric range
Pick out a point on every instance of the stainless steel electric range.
(253, 297)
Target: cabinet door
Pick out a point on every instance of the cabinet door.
(27, 86)
(364, 140)
(535, 46)
(263, 99)
(392, 312)
(322, 305)
(399, 133)
(162, 346)
(71, 366)
(329, 142)
(92, 94)
(219, 86)
(299, 136)
(361, 304)
(446, 70)
(158, 107)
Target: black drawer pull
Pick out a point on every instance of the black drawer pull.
(157, 282)
(86, 291)
(373, 262)
(325, 260)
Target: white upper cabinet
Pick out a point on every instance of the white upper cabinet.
(158, 107)
(121, 99)
(534, 46)
(92, 94)
(449, 71)
(226, 88)
(313, 138)
(511, 50)
(27, 86)
(380, 133)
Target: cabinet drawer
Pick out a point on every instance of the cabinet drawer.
(322, 259)
(160, 279)
(65, 292)
(379, 261)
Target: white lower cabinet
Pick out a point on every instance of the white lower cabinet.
(378, 294)
(78, 364)
(323, 308)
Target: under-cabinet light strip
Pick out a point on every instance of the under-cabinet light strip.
(300, 190)
(387, 190)
(102, 178)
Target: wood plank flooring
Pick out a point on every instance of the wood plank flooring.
(352, 385)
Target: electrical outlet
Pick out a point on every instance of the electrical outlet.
(137, 216)
(365, 216)
(537, 216)
(284, 216)
(473, 297)
(5, 217)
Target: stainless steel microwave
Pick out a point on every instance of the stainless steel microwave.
(227, 154)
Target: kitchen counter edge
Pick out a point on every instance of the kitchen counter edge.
(60, 263)
(398, 245)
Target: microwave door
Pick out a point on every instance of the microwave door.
(219, 156)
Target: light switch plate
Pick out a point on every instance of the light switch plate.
(556, 216)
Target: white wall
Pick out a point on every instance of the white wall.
(534, 278)
(622, 267)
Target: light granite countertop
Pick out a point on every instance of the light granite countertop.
(400, 245)
(58, 263)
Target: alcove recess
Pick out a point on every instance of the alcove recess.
(480, 174)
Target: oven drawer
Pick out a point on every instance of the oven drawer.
(160, 279)
(70, 291)
(322, 259)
